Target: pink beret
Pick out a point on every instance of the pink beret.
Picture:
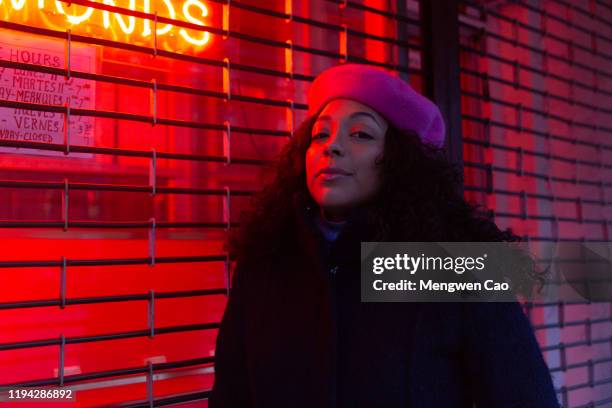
(390, 96)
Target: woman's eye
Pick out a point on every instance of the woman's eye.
(360, 135)
(363, 135)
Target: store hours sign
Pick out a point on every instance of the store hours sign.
(45, 89)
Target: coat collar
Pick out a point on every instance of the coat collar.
(347, 245)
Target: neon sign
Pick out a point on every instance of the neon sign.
(102, 23)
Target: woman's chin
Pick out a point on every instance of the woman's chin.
(332, 199)
(334, 207)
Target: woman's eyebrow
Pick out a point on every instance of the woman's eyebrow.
(351, 116)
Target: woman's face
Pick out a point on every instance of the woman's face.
(349, 137)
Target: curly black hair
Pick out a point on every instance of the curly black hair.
(418, 201)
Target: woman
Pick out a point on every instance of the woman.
(367, 165)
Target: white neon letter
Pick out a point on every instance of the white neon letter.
(127, 29)
(71, 19)
(194, 20)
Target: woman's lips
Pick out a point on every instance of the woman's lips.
(332, 176)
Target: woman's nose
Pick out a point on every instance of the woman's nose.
(334, 147)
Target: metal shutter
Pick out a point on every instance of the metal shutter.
(131, 136)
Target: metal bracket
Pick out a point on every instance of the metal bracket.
(226, 19)
(63, 283)
(65, 204)
(153, 101)
(152, 242)
(291, 116)
(227, 208)
(289, 59)
(227, 89)
(62, 354)
(155, 34)
(289, 10)
(67, 129)
(151, 313)
(343, 43)
(227, 146)
(68, 53)
(153, 172)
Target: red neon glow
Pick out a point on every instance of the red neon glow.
(56, 15)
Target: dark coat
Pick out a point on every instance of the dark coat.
(295, 335)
